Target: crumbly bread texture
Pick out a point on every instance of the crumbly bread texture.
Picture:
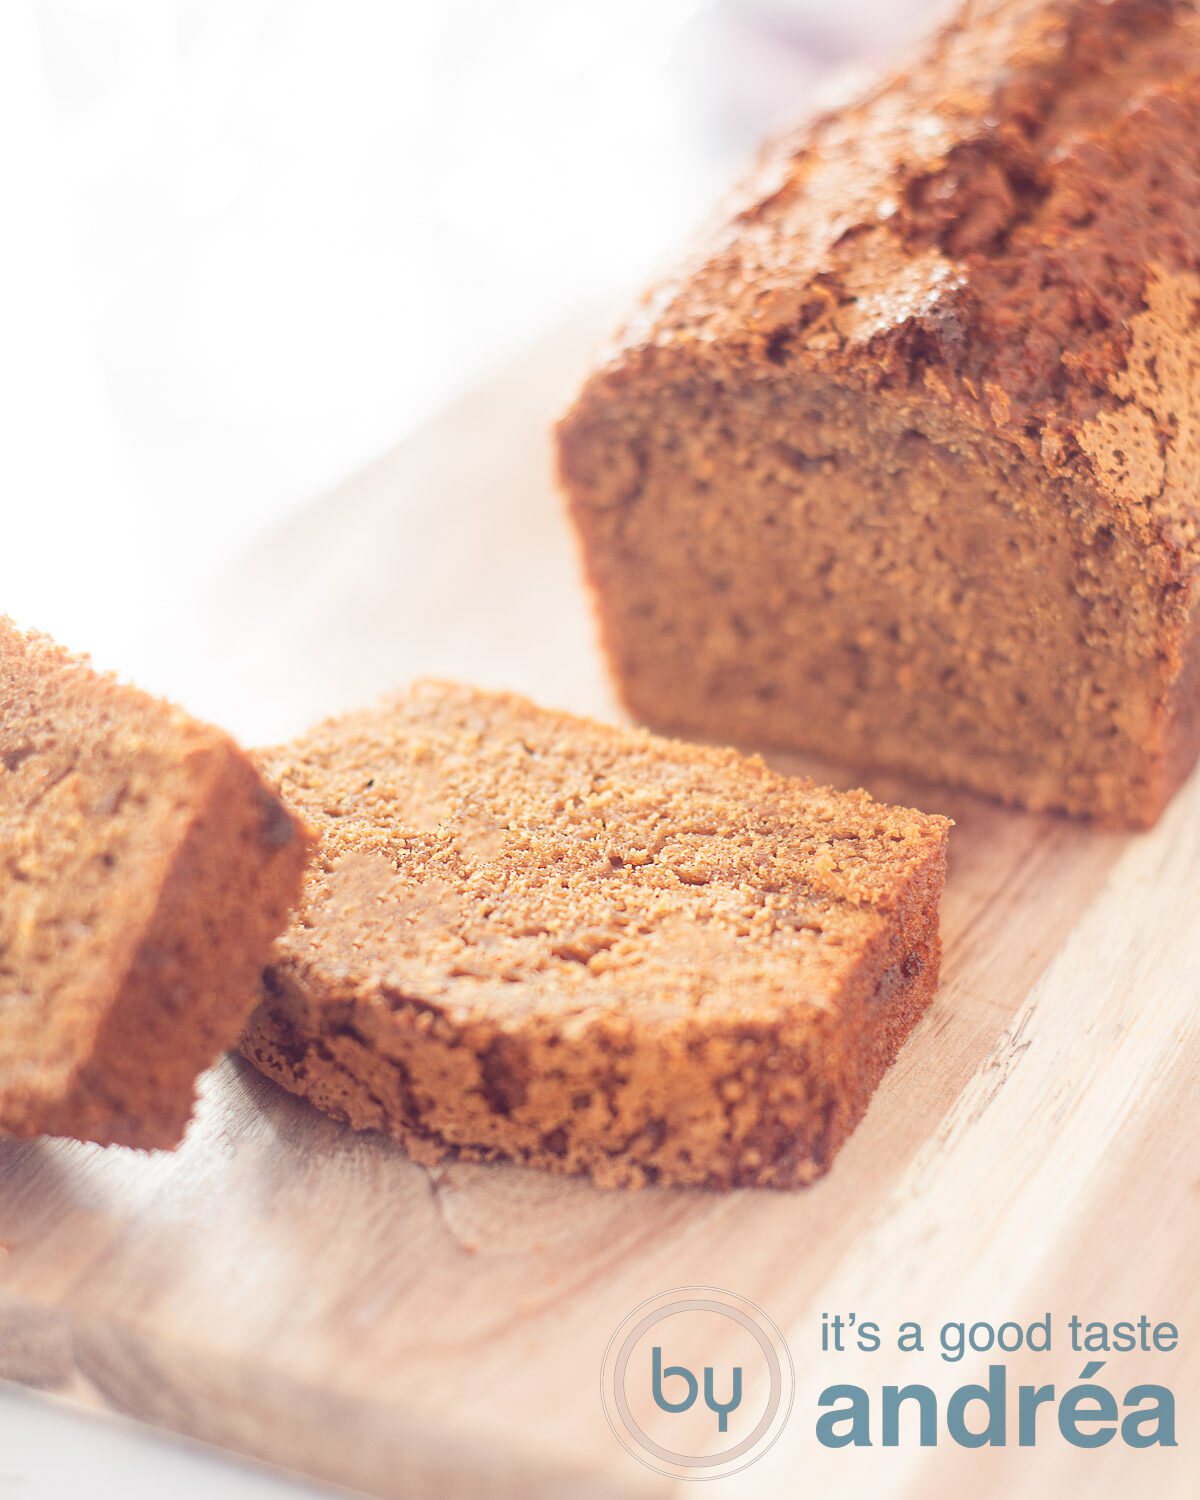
(145, 867)
(528, 935)
(903, 465)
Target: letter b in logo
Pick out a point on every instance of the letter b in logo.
(656, 1379)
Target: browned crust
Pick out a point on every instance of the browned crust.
(1003, 196)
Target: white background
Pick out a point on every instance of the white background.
(247, 245)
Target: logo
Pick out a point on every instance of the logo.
(697, 1383)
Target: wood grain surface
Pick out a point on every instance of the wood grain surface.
(285, 1288)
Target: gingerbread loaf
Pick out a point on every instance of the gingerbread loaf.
(145, 867)
(531, 936)
(902, 466)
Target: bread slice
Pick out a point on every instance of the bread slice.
(902, 466)
(145, 868)
(528, 935)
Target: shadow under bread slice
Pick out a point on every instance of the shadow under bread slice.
(528, 935)
(145, 867)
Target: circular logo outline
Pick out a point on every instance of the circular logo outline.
(767, 1335)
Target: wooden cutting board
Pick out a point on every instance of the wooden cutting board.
(285, 1288)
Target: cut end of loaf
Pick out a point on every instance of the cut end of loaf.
(901, 468)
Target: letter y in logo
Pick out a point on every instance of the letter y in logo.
(735, 1397)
